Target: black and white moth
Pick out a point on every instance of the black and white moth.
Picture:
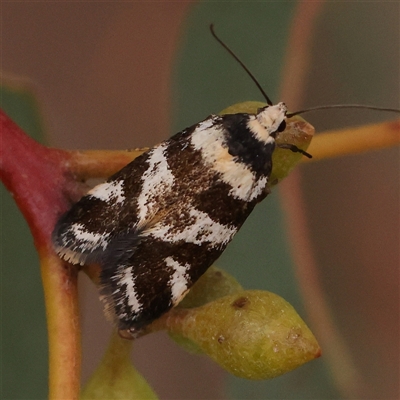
(159, 223)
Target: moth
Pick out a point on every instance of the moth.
(158, 224)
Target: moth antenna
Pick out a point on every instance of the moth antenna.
(290, 115)
(225, 46)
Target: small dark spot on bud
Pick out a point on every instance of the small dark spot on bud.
(240, 302)
(218, 274)
(221, 339)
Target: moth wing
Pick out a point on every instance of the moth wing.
(117, 207)
(136, 280)
(106, 212)
(84, 232)
(138, 286)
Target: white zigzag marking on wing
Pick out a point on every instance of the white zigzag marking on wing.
(89, 238)
(84, 240)
(109, 191)
(157, 179)
(178, 280)
(126, 277)
(202, 229)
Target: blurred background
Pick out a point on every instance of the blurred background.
(122, 75)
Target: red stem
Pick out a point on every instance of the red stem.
(39, 181)
(35, 176)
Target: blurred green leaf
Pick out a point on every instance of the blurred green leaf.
(24, 360)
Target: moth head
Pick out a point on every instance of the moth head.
(272, 118)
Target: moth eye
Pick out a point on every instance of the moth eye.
(282, 126)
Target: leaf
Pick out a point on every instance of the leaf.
(24, 351)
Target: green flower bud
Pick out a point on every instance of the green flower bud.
(252, 334)
(115, 377)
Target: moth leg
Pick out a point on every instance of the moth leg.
(294, 148)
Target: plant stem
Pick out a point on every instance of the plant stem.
(364, 138)
(41, 186)
(61, 298)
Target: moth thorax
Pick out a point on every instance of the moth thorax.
(271, 117)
